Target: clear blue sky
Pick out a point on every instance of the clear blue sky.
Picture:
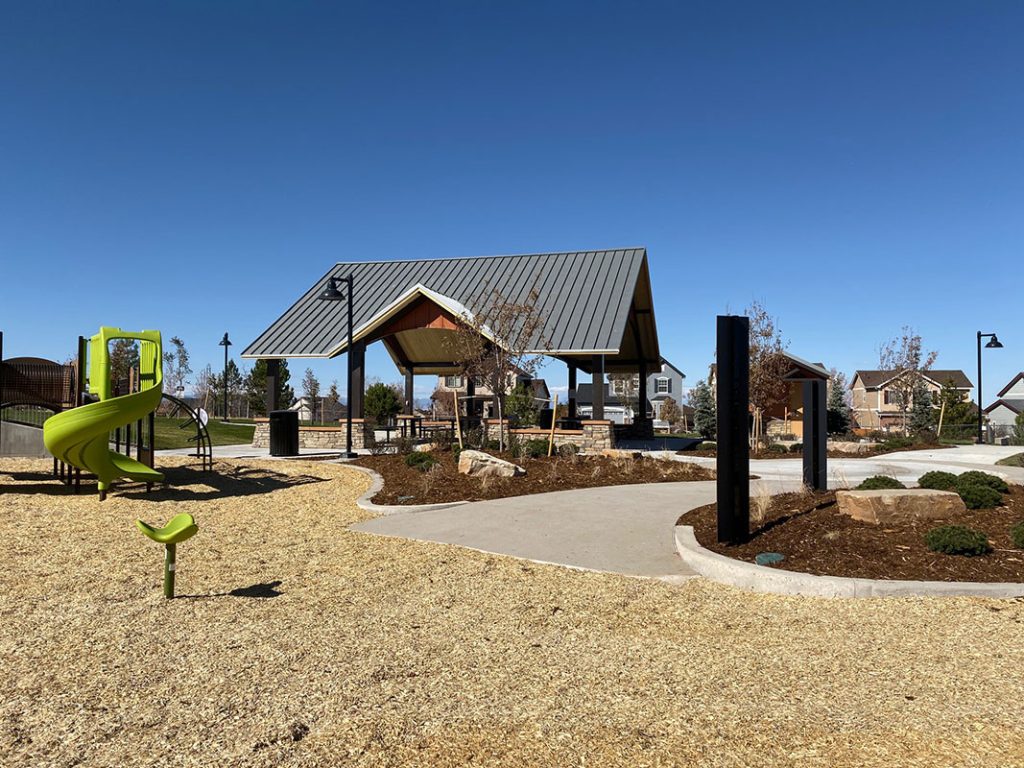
(194, 166)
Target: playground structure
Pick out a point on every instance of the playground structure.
(181, 528)
(80, 437)
(33, 389)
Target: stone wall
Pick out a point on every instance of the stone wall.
(321, 438)
(595, 436)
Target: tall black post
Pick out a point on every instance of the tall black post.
(470, 401)
(981, 437)
(352, 400)
(273, 387)
(409, 390)
(733, 460)
(815, 435)
(597, 387)
(225, 342)
(572, 392)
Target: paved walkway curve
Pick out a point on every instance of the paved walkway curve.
(629, 529)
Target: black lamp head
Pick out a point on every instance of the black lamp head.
(994, 343)
(225, 342)
(331, 292)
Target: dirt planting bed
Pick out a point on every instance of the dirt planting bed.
(443, 482)
(815, 538)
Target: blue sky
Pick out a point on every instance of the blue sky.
(194, 166)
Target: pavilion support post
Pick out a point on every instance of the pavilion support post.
(597, 374)
(355, 397)
(641, 396)
(733, 401)
(470, 400)
(409, 375)
(273, 388)
(572, 391)
(815, 435)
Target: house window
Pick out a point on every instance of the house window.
(663, 385)
(453, 382)
(890, 397)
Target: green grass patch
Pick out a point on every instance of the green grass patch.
(1017, 460)
(169, 434)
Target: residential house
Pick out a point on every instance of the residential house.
(662, 384)
(326, 410)
(456, 385)
(876, 400)
(1008, 405)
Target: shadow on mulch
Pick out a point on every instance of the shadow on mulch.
(179, 484)
(254, 591)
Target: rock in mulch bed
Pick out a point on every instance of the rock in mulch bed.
(817, 538)
(443, 482)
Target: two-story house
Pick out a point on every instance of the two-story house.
(484, 396)
(1009, 404)
(664, 383)
(876, 399)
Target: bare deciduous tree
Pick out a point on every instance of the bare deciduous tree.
(493, 344)
(767, 365)
(904, 359)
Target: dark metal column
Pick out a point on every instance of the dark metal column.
(572, 391)
(733, 460)
(408, 390)
(815, 435)
(272, 387)
(355, 397)
(597, 377)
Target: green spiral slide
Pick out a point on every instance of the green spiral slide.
(81, 436)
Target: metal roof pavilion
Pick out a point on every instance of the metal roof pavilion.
(593, 303)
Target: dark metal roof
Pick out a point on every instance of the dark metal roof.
(875, 379)
(587, 298)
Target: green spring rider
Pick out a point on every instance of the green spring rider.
(180, 528)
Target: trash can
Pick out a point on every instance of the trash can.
(544, 418)
(284, 433)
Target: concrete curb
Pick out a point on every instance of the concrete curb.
(391, 509)
(757, 578)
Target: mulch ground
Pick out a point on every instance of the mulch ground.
(815, 538)
(297, 643)
(443, 482)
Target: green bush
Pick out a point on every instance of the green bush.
(896, 444)
(707, 445)
(536, 448)
(975, 477)
(420, 460)
(957, 540)
(977, 496)
(796, 448)
(776, 448)
(1017, 534)
(880, 483)
(937, 481)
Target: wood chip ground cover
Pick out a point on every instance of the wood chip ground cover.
(385, 652)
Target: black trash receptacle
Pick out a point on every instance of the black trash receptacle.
(544, 418)
(284, 433)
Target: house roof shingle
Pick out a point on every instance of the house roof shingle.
(875, 379)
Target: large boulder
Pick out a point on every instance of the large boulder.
(480, 464)
(895, 505)
(850, 447)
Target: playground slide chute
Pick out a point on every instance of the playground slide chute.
(81, 436)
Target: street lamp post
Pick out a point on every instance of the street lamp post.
(331, 293)
(993, 343)
(225, 342)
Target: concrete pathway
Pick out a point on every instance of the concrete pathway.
(629, 529)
